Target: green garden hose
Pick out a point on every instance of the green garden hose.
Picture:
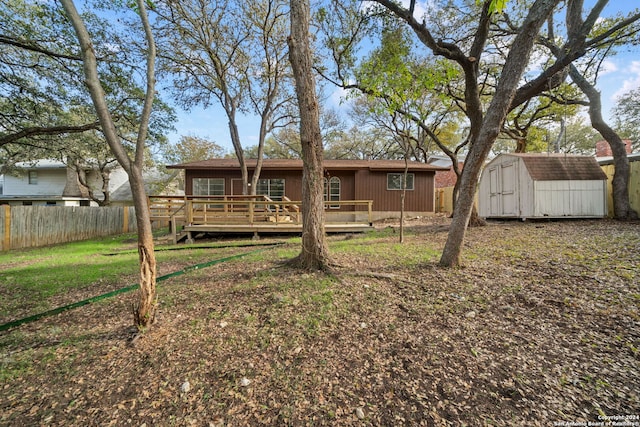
(77, 304)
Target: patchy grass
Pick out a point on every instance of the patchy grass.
(40, 279)
(50, 270)
(541, 325)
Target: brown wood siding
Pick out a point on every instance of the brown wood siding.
(347, 186)
(372, 185)
(292, 183)
(204, 173)
(362, 184)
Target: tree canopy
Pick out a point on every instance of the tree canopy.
(45, 109)
(627, 114)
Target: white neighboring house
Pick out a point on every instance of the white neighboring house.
(53, 183)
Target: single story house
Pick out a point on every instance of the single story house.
(376, 180)
(542, 186)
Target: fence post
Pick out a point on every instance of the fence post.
(125, 219)
(6, 241)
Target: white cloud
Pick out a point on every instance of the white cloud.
(608, 67)
(338, 97)
(421, 8)
(630, 83)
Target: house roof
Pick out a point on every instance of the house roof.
(42, 164)
(156, 181)
(608, 160)
(296, 164)
(561, 167)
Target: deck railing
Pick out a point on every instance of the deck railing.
(208, 210)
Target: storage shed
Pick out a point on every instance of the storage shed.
(542, 186)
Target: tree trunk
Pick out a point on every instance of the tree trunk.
(106, 192)
(264, 118)
(315, 254)
(237, 146)
(144, 310)
(404, 191)
(620, 184)
(512, 70)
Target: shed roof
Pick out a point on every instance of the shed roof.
(296, 164)
(561, 167)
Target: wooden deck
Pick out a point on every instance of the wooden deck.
(190, 215)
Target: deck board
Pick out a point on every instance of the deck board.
(273, 228)
(191, 215)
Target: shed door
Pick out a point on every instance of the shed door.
(503, 195)
(494, 192)
(509, 194)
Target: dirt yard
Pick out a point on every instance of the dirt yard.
(541, 327)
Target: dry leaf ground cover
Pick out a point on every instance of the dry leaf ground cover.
(540, 327)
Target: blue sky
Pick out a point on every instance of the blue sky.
(619, 74)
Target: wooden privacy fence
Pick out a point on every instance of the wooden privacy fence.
(33, 226)
(444, 200)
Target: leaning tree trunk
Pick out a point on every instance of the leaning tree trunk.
(237, 146)
(474, 219)
(512, 70)
(144, 310)
(620, 184)
(315, 254)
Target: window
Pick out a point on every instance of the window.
(273, 188)
(395, 180)
(208, 186)
(1, 184)
(33, 178)
(332, 191)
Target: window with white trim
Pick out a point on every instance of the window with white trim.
(208, 186)
(33, 178)
(332, 191)
(395, 181)
(273, 188)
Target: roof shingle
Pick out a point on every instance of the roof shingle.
(561, 167)
(296, 164)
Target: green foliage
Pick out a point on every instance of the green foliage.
(495, 6)
(537, 123)
(627, 116)
(41, 83)
(192, 148)
(395, 73)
